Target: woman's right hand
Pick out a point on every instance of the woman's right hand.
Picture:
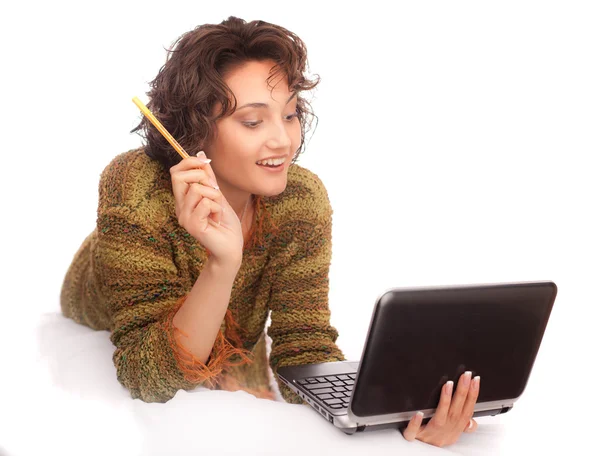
(199, 208)
(453, 415)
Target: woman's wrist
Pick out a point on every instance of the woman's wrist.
(226, 267)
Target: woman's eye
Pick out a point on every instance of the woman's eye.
(256, 124)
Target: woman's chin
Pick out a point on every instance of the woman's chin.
(272, 190)
(272, 183)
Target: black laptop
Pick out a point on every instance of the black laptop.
(418, 339)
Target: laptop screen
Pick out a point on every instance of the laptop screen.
(419, 339)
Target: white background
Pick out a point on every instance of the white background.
(458, 142)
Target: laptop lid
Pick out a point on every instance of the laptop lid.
(419, 338)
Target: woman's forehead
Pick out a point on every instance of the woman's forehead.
(250, 83)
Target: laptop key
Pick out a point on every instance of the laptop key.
(331, 378)
(322, 380)
(343, 377)
(338, 383)
(339, 388)
(303, 381)
(349, 382)
(325, 396)
(332, 401)
(352, 376)
(336, 406)
(339, 395)
(312, 386)
(321, 391)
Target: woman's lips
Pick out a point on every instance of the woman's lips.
(273, 169)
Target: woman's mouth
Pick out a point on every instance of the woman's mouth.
(272, 168)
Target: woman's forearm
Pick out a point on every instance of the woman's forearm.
(202, 313)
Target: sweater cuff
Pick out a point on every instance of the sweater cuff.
(222, 356)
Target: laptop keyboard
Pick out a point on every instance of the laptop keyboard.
(333, 390)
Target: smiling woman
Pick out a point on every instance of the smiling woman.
(174, 270)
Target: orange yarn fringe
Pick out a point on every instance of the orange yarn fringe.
(212, 373)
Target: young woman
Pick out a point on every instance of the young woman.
(189, 256)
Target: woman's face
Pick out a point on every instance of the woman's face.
(254, 133)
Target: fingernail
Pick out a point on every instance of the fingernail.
(420, 414)
(476, 382)
(449, 385)
(214, 184)
(470, 424)
(202, 156)
(467, 378)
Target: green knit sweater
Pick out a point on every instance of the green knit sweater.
(133, 271)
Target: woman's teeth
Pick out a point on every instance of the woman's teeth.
(271, 162)
(270, 166)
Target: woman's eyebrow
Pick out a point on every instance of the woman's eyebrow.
(263, 105)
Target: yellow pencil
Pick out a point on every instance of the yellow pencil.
(160, 128)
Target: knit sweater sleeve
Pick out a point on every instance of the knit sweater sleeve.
(300, 317)
(134, 268)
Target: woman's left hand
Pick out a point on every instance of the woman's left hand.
(452, 417)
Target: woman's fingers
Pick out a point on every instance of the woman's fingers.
(472, 396)
(197, 206)
(197, 177)
(208, 168)
(441, 412)
(183, 178)
(196, 195)
(190, 171)
(452, 417)
(458, 401)
(414, 425)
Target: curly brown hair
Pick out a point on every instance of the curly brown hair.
(191, 82)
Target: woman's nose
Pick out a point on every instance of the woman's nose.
(280, 137)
